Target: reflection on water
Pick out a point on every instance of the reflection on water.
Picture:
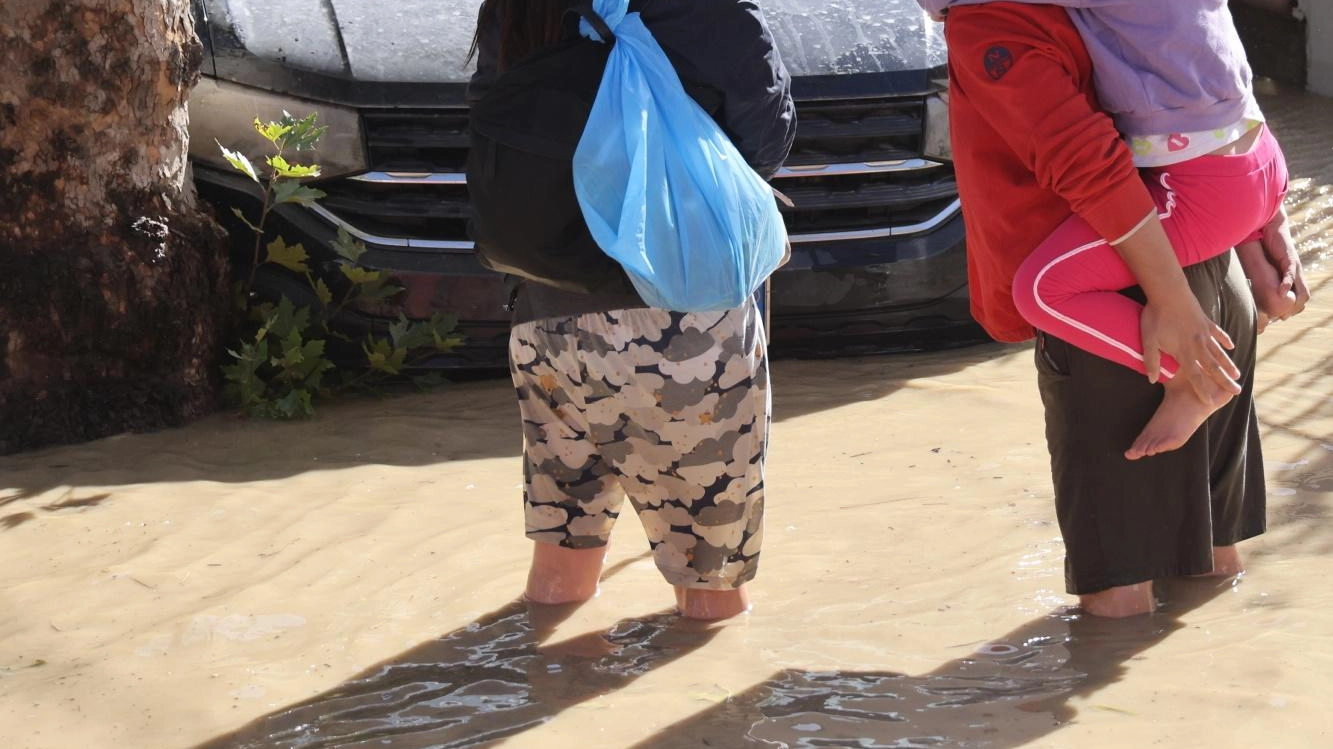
(488, 681)
(495, 679)
(1006, 693)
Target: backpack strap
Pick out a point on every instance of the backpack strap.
(598, 23)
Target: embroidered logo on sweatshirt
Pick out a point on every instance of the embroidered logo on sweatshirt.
(998, 61)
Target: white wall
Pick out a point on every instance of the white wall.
(1319, 14)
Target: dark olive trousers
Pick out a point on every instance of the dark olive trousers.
(1127, 522)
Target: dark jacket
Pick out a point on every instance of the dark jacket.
(725, 56)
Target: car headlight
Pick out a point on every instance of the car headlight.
(937, 145)
(225, 112)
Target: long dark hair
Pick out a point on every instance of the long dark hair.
(524, 26)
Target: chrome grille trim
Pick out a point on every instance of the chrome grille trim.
(841, 170)
(376, 239)
(413, 178)
(881, 232)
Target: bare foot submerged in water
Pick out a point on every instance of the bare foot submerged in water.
(1226, 562)
(708, 605)
(1182, 412)
(563, 576)
(1133, 600)
(1120, 602)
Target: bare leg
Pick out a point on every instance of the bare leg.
(560, 575)
(695, 603)
(1121, 602)
(1181, 413)
(1226, 562)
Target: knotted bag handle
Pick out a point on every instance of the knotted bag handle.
(597, 22)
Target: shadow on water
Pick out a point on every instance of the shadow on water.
(457, 422)
(1006, 693)
(496, 678)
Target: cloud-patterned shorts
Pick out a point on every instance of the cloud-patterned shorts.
(669, 408)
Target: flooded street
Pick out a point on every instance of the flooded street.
(352, 581)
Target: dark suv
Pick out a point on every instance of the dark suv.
(878, 255)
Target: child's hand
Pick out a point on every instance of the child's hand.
(1272, 295)
(1280, 251)
(1275, 273)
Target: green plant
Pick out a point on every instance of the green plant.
(280, 366)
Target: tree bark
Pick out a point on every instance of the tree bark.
(113, 285)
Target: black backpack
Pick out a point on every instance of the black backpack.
(526, 219)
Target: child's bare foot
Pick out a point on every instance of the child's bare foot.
(1177, 418)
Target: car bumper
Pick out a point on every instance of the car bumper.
(875, 295)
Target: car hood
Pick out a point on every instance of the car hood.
(352, 49)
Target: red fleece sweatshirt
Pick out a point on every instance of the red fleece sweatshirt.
(1031, 146)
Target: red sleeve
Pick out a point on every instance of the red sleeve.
(1021, 82)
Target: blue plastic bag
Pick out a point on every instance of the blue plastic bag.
(663, 190)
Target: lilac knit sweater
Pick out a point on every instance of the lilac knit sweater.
(1161, 66)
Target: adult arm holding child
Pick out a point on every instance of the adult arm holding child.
(1022, 88)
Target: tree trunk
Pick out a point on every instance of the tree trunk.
(113, 285)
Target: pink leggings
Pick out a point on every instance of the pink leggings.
(1069, 286)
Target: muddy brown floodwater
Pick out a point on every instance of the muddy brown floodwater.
(351, 581)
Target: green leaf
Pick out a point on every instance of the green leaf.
(295, 192)
(449, 343)
(274, 132)
(383, 357)
(441, 326)
(238, 161)
(312, 356)
(408, 334)
(291, 257)
(348, 247)
(284, 168)
(293, 356)
(322, 291)
(377, 291)
(241, 215)
(359, 275)
(302, 134)
(294, 405)
(286, 318)
(399, 330)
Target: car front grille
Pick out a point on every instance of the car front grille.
(415, 141)
(415, 194)
(832, 132)
(855, 171)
